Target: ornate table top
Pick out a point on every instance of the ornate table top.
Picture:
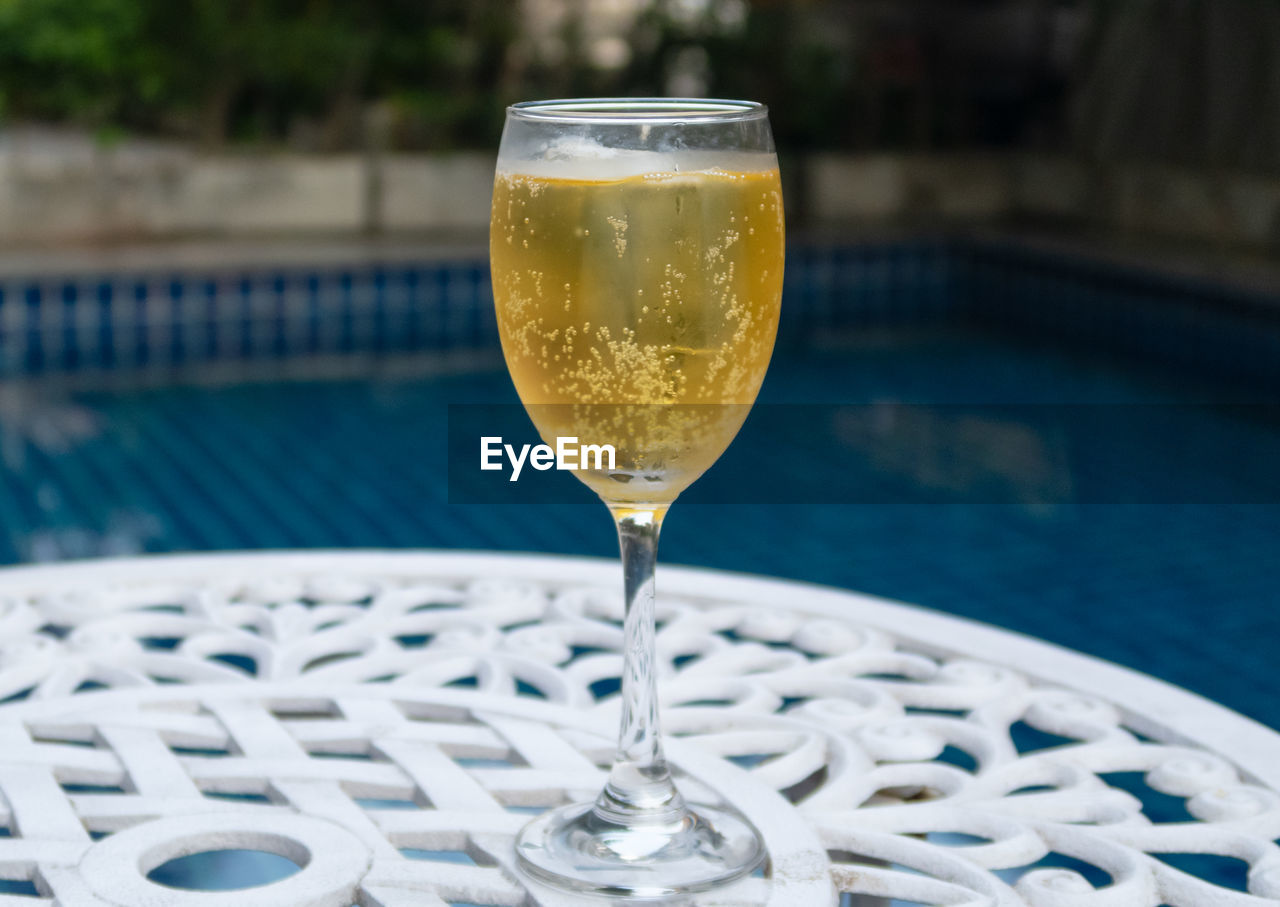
(388, 721)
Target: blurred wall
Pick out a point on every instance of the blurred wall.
(1016, 189)
(60, 188)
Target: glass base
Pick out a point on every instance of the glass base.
(577, 848)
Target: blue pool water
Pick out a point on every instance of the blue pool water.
(1002, 489)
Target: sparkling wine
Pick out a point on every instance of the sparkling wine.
(639, 309)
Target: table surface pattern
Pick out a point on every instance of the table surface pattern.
(388, 721)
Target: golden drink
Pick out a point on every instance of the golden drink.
(640, 311)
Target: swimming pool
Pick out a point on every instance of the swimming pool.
(1073, 451)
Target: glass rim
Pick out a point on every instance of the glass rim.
(639, 111)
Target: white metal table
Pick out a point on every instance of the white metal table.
(388, 721)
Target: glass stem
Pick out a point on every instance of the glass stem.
(639, 788)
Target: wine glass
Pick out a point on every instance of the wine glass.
(636, 248)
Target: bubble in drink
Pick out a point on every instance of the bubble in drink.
(635, 309)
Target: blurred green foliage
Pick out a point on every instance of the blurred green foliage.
(257, 69)
(307, 72)
(78, 58)
(786, 54)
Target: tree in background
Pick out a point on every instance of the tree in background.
(1185, 81)
(74, 59)
(1188, 81)
(304, 71)
(798, 56)
(867, 74)
(256, 69)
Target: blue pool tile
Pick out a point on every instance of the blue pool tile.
(208, 320)
(104, 294)
(4, 326)
(439, 301)
(828, 288)
(35, 347)
(347, 317)
(311, 314)
(133, 340)
(68, 335)
(180, 322)
(277, 320)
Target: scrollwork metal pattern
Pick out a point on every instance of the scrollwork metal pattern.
(902, 771)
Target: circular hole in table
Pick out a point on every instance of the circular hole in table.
(223, 870)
